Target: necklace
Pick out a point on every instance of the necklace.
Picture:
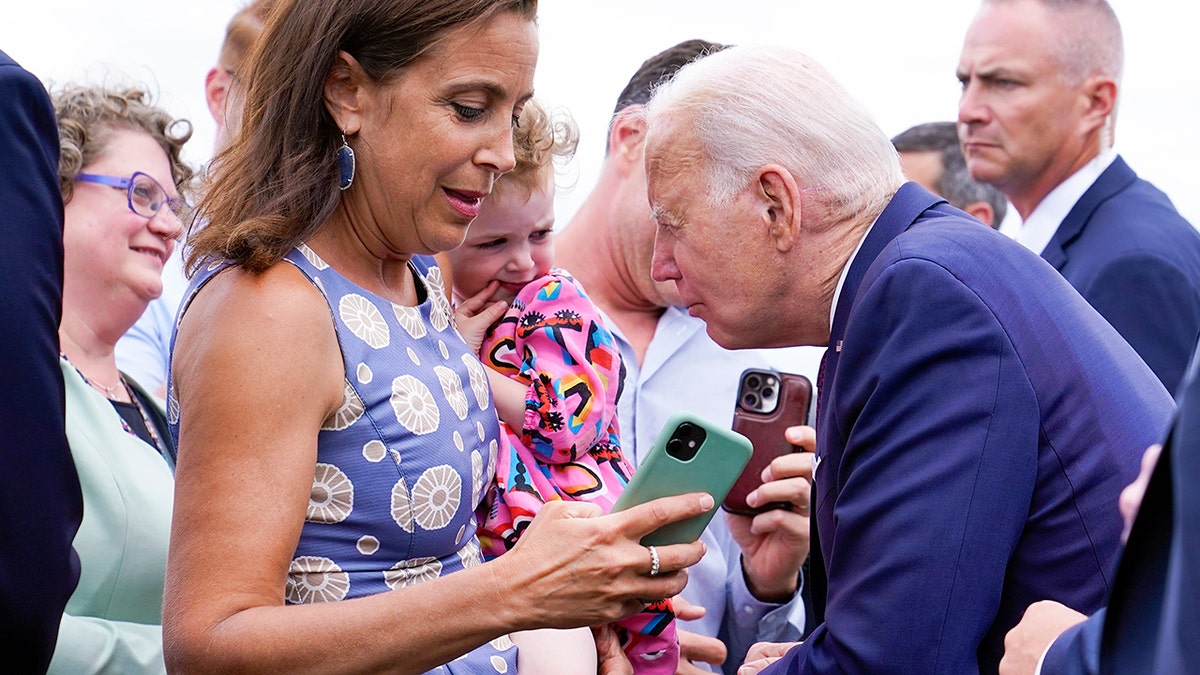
(109, 392)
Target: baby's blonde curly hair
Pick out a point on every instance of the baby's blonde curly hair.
(87, 116)
(540, 138)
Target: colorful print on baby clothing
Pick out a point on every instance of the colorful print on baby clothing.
(553, 341)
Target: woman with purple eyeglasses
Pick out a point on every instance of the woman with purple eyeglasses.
(123, 185)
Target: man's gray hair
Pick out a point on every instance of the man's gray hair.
(753, 106)
(1091, 44)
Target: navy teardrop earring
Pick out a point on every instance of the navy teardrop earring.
(345, 161)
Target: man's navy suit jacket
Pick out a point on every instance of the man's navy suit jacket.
(40, 502)
(1130, 254)
(1152, 624)
(977, 423)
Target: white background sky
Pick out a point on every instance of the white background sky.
(896, 56)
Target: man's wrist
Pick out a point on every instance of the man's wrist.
(777, 594)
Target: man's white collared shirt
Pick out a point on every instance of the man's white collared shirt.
(1039, 228)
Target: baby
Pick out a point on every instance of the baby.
(555, 375)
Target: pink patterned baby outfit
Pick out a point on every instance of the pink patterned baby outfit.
(553, 341)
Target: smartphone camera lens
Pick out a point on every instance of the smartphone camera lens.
(768, 392)
(753, 382)
(686, 441)
(750, 400)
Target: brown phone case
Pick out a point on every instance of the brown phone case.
(768, 403)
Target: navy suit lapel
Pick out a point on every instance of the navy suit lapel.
(1115, 178)
(910, 201)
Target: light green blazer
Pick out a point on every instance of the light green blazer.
(113, 621)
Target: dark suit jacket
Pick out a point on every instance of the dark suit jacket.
(40, 503)
(1126, 249)
(1152, 624)
(977, 423)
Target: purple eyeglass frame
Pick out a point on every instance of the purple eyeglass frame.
(126, 184)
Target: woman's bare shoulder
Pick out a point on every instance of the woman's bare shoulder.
(276, 321)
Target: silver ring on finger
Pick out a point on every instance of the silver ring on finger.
(653, 560)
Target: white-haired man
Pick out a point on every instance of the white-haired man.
(1040, 82)
(967, 460)
(746, 589)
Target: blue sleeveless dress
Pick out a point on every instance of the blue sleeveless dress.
(403, 464)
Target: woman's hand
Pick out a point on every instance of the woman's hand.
(474, 315)
(576, 567)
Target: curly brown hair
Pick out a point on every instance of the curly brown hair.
(541, 137)
(87, 117)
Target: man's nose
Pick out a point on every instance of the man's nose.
(662, 264)
(971, 105)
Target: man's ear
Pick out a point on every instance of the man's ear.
(778, 197)
(1100, 101)
(216, 89)
(345, 92)
(627, 137)
(984, 212)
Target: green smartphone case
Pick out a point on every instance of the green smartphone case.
(719, 459)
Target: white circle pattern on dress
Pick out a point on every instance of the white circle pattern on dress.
(367, 545)
(411, 572)
(351, 410)
(374, 451)
(365, 320)
(332, 496)
(414, 405)
(479, 383)
(402, 506)
(476, 477)
(436, 497)
(409, 319)
(453, 389)
(314, 579)
(312, 257)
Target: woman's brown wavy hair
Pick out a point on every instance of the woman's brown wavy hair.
(277, 181)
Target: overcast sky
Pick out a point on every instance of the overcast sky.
(896, 56)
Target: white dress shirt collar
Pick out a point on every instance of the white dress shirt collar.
(837, 293)
(1039, 228)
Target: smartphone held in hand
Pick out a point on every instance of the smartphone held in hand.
(768, 403)
(690, 454)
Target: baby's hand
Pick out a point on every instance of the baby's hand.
(474, 315)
